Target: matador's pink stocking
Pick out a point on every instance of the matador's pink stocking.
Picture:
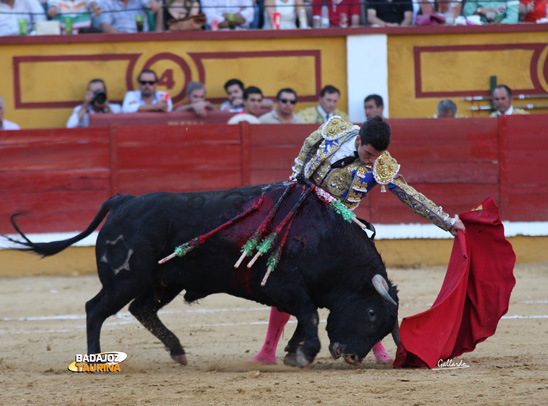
(276, 325)
(380, 354)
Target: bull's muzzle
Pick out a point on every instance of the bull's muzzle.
(337, 350)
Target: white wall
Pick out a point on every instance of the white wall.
(367, 72)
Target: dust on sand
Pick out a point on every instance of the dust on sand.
(43, 327)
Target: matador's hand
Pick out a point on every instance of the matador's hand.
(458, 226)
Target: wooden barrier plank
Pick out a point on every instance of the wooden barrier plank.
(34, 182)
(140, 181)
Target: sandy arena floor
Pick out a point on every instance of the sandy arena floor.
(42, 327)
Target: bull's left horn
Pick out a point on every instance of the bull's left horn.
(380, 285)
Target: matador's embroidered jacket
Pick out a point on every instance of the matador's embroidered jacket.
(351, 183)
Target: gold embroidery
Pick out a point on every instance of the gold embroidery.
(335, 128)
(338, 181)
(385, 168)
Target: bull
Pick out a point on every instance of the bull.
(326, 262)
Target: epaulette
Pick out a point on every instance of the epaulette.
(336, 128)
(385, 169)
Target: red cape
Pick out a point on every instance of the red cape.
(474, 295)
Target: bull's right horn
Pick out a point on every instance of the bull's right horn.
(380, 285)
(396, 333)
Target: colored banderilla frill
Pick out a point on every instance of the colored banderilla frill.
(341, 209)
(267, 242)
(251, 244)
(185, 248)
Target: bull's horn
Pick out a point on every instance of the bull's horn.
(382, 287)
(396, 333)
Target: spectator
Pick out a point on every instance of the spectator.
(386, 13)
(119, 15)
(373, 106)
(329, 98)
(450, 9)
(13, 10)
(351, 8)
(146, 99)
(95, 102)
(79, 10)
(446, 109)
(253, 97)
(197, 103)
(532, 10)
(502, 101)
(177, 9)
(229, 14)
(289, 11)
(235, 92)
(283, 114)
(501, 12)
(5, 124)
(423, 7)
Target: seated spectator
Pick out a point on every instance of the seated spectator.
(253, 97)
(289, 11)
(532, 10)
(386, 13)
(147, 99)
(12, 10)
(351, 8)
(229, 14)
(500, 12)
(446, 109)
(329, 99)
(6, 124)
(197, 103)
(177, 9)
(234, 89)
(286, 100)
(502, 101)
(450, 9)
(95, 102)
(373, 106)
(235, 92)
(119, 15)
(79, 10)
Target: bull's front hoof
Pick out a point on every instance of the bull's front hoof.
(297, 359)
(291, 359)
(180, 358)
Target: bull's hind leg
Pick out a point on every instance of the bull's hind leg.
(105, 304)
(145, 309)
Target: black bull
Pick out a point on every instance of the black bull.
(325, 263)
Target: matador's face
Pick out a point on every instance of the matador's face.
(366, 153)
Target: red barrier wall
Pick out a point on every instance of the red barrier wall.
(61, 177)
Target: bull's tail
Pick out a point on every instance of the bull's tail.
(47, 249)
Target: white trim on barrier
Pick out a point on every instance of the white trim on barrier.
(384, 232)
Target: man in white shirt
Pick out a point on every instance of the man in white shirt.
(147, 99)
(253, 98)
(12, 10)
(5, 124)
(95, 102)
